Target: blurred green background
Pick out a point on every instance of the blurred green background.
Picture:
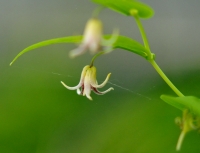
(38, 115)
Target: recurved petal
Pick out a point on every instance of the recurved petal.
(72, 88)
(95, 85)
(78, 51)
(83, 74)
(101, 92)
(112, 40)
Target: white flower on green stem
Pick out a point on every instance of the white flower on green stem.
(89, 83)
(93, 39)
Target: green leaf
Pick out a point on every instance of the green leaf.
(71, 39)
(187, 102)
(131, 45)
(125, 6)
(122, 42)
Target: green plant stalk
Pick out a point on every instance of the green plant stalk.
(143, 34)
(162, 74)
(97, 11)
(95, 56)
(180, 140)
(165, 78)
(187, 120)
(152, 61)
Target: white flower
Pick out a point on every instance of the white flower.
(88, 82)
(93, 39)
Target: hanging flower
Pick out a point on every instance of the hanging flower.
(88, 82)
(93, 39)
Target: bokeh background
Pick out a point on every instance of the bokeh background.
(38, 115)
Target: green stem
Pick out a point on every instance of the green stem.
(153, 63)
(144, 37)
(95, 56)
(165, 78)
(160, 72)
(180, 140)
(97, 11)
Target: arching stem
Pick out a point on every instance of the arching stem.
(152, 61)
(95, 56)
(165, 78)
(97, 11)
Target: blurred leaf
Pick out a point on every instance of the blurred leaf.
(125, 6)
(130, 45)
(188, 102)
(122, 42)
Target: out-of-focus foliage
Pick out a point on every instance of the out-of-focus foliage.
(187, 102)
(121, 42)
(126, 6)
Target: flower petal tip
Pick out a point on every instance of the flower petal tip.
(72, 55)
(77, 51)
(109, 89)
(89, 97)
(63, 83)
